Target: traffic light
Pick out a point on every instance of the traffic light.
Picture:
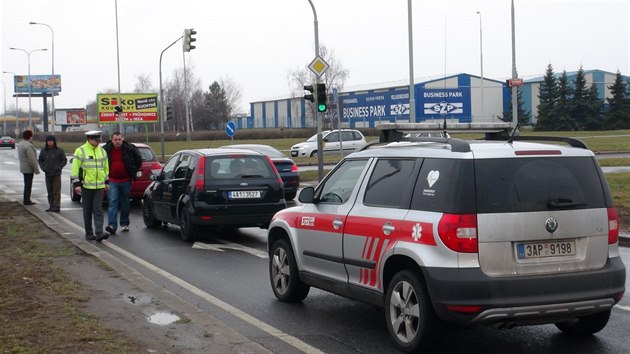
(188, 39)
(321, 98)
(310, 96)
(169, 112)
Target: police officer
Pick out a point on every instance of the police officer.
(89, 178)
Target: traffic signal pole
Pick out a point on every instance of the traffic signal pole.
(162, 108)
(320, 157)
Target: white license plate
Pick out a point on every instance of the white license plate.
(545, 249)
(243, 194)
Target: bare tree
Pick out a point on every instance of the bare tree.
(175, 96)
(144, 84)
(232, 94)
(336, 75)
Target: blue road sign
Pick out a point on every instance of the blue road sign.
(230, 129)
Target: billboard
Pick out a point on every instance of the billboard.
(444, 103)
(39, 83)
(136, 107)
(368, 108)
(70, 116)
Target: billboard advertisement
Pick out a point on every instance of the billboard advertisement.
(368, 108)
(70, 116)
(444, 103)
(39, 83)
(136, 107)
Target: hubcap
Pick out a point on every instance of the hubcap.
(404, 312)
(280, 271)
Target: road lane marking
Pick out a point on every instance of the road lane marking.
(230, 245)
(274, 332)
(219, 303)
(626, 308)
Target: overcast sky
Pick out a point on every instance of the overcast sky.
(258, 42)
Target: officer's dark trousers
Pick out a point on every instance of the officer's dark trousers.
(92, 200)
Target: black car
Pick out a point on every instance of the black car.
(214, 187)
(7, 141)
(286, 167)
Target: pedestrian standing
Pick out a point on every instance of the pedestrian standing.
(89, 179)
(51, 160)
(124, 163)
(28, 164)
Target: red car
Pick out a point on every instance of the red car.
(7, 141)
(149, 163)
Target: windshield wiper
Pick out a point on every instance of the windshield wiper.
(563, 203)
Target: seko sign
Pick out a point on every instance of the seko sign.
(136, 107)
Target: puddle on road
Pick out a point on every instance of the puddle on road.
(163, 318)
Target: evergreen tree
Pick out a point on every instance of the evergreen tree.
(561, 114)
(594, 107)
(618, 114)
(579, 109)
(524, 116)
(548, 95)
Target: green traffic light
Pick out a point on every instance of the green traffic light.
(321, 107)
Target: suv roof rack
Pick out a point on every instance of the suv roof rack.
(395, 132)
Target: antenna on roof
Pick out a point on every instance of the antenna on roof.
(445, 132)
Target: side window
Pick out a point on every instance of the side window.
(387, 185)
(184, 165)
(446, 186)
(356, 136)
(347, 136)
(169, 169)
(333, 137)
(339, 185)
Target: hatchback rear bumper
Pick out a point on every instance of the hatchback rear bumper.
(542, 298)
(242, 216)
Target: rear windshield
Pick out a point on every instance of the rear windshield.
(147, 154)
(538, 184)
(239, 166)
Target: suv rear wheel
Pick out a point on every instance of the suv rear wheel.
(410, 319)
(584, 326)
(283, 273)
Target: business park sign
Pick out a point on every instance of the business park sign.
(136, 107)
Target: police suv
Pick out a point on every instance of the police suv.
(500, 231)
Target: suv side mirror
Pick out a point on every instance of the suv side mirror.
(307, 195)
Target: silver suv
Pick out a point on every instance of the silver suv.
(500, 232)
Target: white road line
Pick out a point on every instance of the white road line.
(626, 308)
(230, 245)
(219, 303)
(213, 300)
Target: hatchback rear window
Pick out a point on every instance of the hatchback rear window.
(147, 154)
(230, 167)
(538, 184)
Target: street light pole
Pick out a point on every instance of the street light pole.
(53, 89)
(514, 74)
(481, 61)
(120, 128)
(412, 93)
(4, 111)
(162, 108)
(17, 126)
(30, 86)
(320, 148)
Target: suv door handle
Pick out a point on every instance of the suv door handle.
(337, 223)
(388, 228)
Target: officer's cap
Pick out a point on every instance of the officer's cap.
(94, 134)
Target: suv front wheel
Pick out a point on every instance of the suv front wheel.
(410, 319)
(283, 273)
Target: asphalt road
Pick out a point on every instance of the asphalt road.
(226, 275)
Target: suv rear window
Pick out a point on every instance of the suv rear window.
(229, 167)
(445, 186)
(538, 184)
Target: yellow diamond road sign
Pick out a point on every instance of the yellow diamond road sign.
(318, 66)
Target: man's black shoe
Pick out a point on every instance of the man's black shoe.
(90, 237)
(101, 237)
(49, 209)
(110, 229)
(29, 203)
(54, 210)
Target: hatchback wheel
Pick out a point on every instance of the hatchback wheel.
(314, 153)
(586, 325)
(411, 322)
(283, 273)
(187, 229)
(148, 216)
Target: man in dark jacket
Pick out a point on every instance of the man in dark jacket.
(124, 163)
(51, 160)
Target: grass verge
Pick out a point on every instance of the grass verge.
(39, 304)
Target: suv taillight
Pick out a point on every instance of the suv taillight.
(200, 175)
(459, 232)
(613, 226)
